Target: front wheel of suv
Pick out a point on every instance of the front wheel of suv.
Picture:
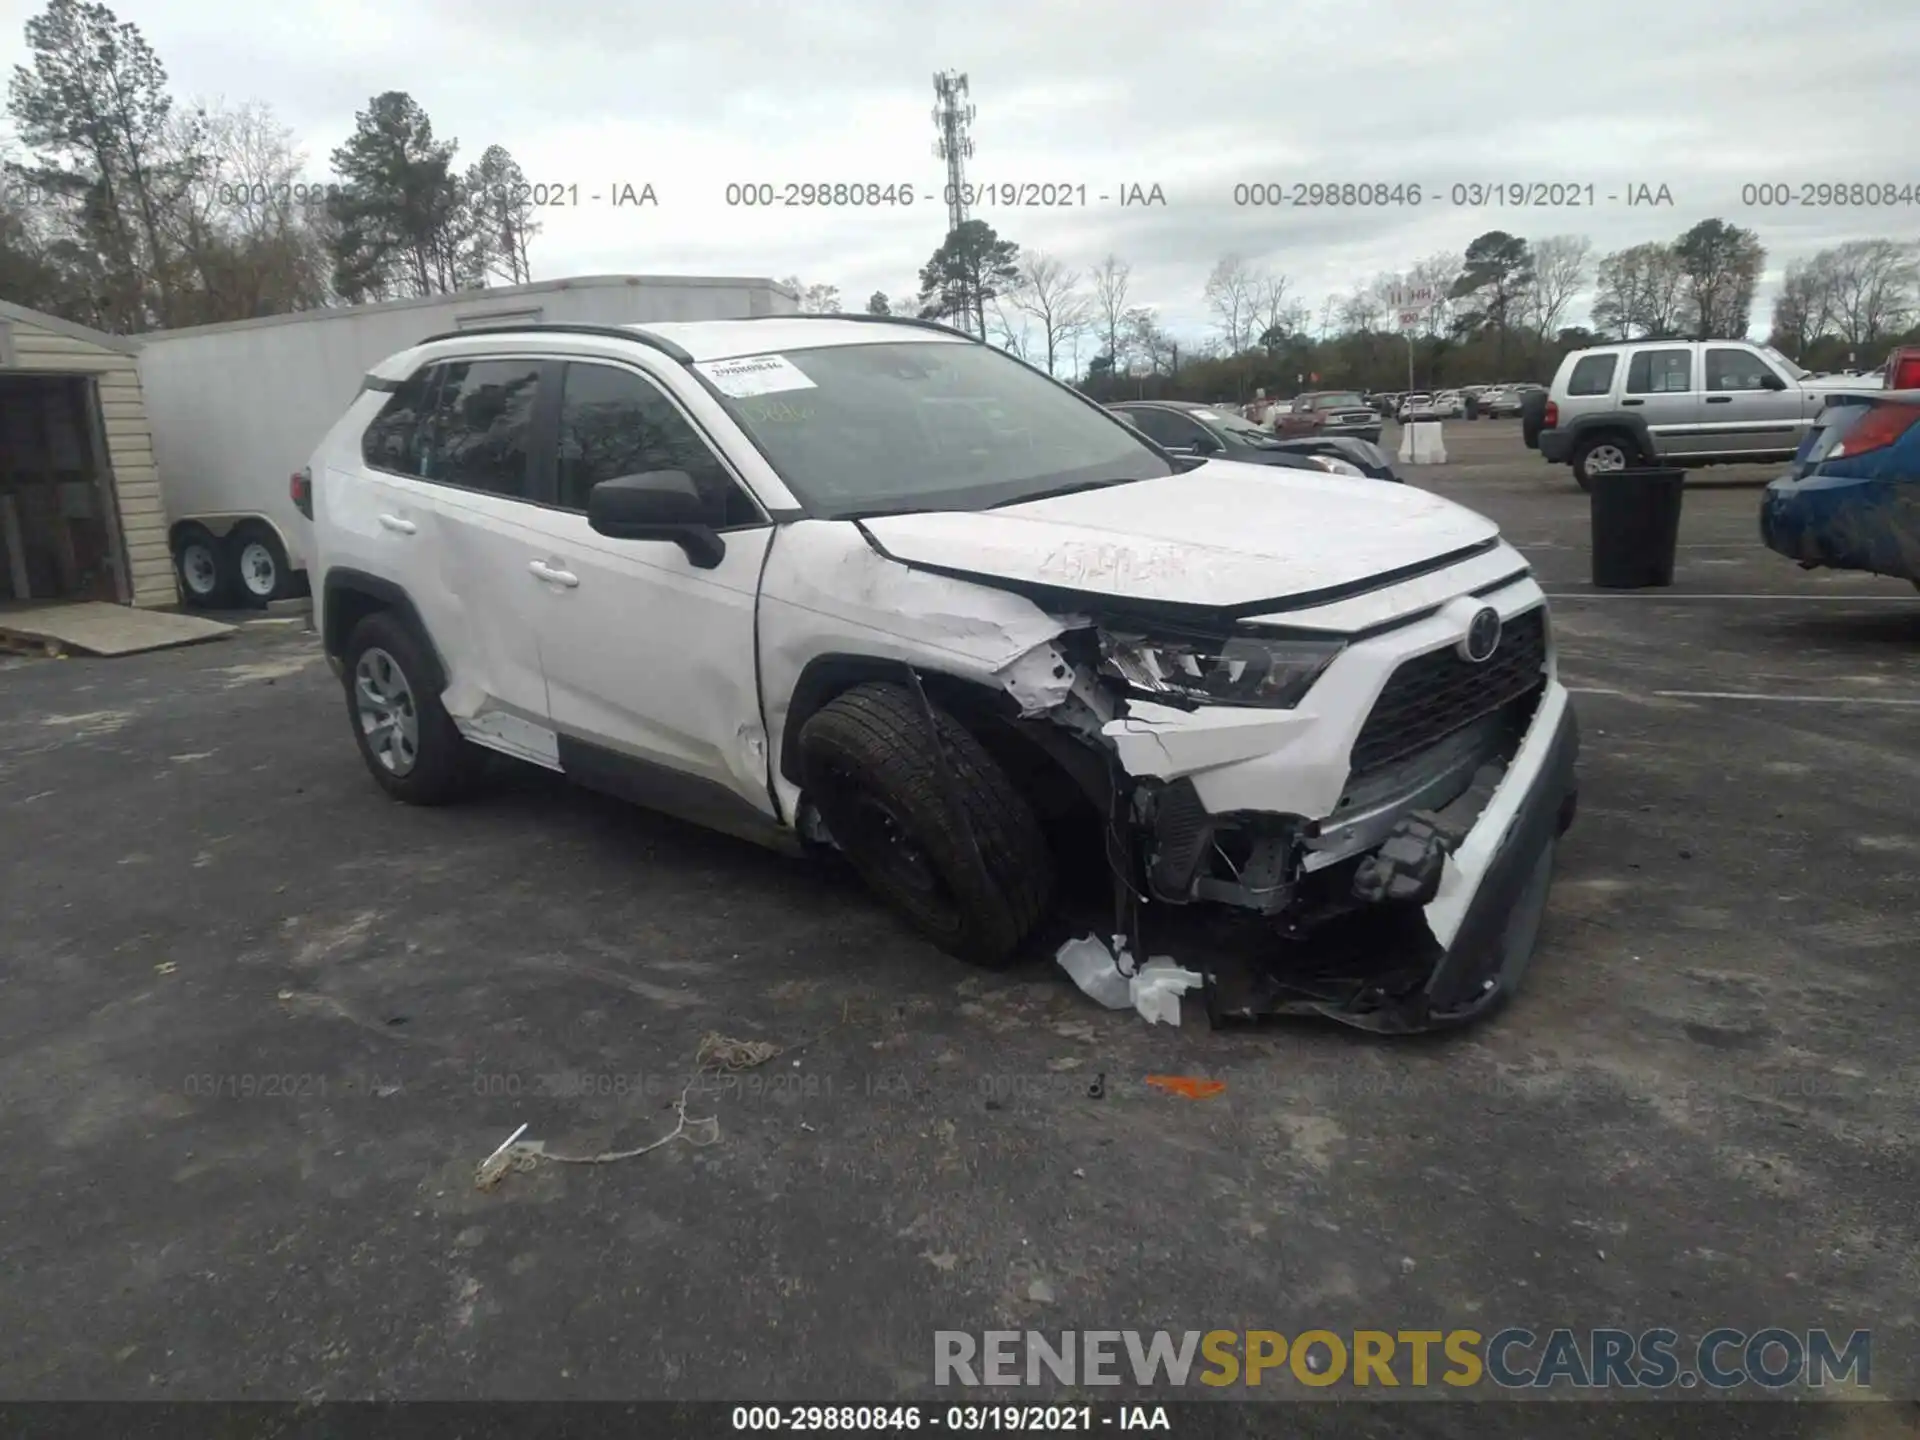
(929, 820)
(405, 735)
(1602, 455)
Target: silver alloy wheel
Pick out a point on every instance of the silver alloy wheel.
(258, 570)
(1604, 458)
(384, 702)
(199, 567)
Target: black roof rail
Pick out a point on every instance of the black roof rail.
(878, 320)
(612, 332)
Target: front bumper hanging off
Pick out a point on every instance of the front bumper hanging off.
(1401, 969)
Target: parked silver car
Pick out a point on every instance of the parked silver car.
(1680, 402)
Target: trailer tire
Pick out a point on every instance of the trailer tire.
(258, 562)
(433, 763)
(886, 791)
(206, 575)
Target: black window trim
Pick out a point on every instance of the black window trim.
(540, 450)
(551, 499)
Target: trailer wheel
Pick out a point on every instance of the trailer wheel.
(258, 562)
(206, 575)
(886, 790)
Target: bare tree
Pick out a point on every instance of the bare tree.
(1439, 272)
(1329, 313)
(1112, 278)
(1361, 310)
(1559, 272)
(1273, 304)
(1868, 287)
(1050, 293)
(1231, 294)
(1007, 327)
(819, 299)
(1150, 343)
(1800, 311)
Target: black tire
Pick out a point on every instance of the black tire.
(1602, 445)
(868, 763)
(258, 563)
(444, 766)
(1533, 417)
(205, 572)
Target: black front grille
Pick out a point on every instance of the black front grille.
(1431, 696)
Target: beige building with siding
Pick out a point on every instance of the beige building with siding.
(81, 515)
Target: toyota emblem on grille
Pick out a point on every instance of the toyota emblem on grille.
(1482, 637)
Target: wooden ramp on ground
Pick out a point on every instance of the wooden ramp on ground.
(95, 628)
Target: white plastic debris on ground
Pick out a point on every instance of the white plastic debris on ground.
(1108, 974)
(1421, 444)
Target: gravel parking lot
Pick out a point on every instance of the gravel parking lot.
(260, 1024)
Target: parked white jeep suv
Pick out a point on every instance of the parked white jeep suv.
(871, 585)
(1680, 402)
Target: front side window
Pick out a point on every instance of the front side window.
(395, 440)
(1735, 370)
(1660, 372)
(931, 424)
(478, 428)
(615, 422)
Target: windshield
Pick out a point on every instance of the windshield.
(924, 425)
(1794, 372)
(1341, 401)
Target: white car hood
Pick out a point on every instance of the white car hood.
(1227, 535)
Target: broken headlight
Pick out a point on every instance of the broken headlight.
(1216, 670)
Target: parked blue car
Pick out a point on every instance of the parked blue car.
(1852, 499)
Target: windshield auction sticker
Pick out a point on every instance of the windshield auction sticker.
(754, 375)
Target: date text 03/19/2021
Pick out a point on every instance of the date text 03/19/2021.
(1470, 195)
(901, 194)
(958, 1419)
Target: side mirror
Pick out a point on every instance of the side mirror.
(1204, 444)
(657, 505)
(1770, 381)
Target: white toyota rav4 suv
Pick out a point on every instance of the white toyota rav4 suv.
(869, 585)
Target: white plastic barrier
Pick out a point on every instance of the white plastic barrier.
(1421, 443)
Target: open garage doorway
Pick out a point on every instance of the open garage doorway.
(59, 523)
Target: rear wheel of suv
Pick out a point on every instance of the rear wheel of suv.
(405, 735)
(1601, 455)
(929, 820)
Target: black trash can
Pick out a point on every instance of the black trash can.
(1636, 527)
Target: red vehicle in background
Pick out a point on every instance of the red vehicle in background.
(1903, 368)
(1329, 412)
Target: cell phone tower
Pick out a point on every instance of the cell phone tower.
(951, 117)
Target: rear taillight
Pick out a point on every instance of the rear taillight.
(300, 487)
(1550, 417)
(1878, 428)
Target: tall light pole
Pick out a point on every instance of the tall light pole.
(952, 114)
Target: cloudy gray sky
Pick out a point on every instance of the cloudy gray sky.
(1703, 98)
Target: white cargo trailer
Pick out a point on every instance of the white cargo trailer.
(236, 409)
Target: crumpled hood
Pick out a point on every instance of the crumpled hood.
(1225, 535)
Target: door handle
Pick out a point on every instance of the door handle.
(543, 571)
(397, 525)
(1719, 399)
(1633, 402)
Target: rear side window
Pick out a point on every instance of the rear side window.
(1592, 375)
(1660, 372)
(478, 428)
(393, 441)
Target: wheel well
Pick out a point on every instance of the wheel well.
(350, 597)
(1622, 433)
(1064, 778)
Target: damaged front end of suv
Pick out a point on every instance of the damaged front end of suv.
(1347, 806)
